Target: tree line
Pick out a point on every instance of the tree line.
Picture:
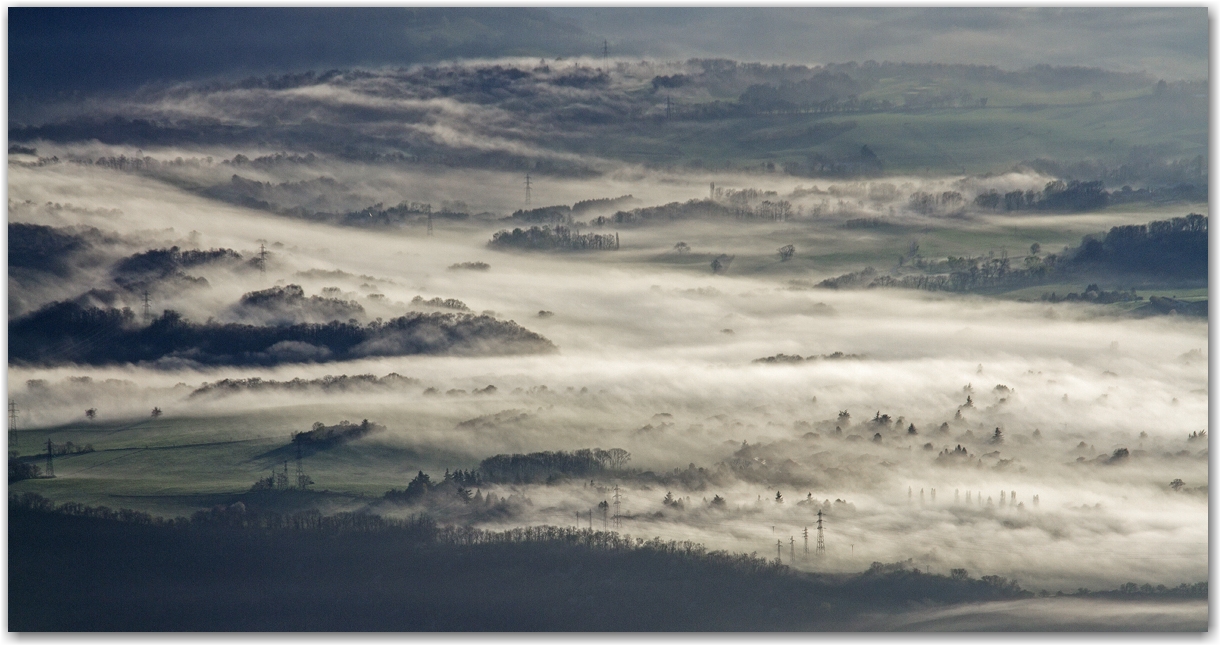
(341, 383)
(66, 332)
(1175, 247)
(549, 239)
(80, 568)
(1057, 195)
(551, 466)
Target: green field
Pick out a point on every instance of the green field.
(177, 465)
(826, 247)
(966, 140)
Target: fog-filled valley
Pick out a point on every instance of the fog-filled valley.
(861, 319)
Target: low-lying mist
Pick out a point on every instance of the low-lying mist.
(927, 438)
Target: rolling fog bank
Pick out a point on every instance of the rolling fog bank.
(891, 431)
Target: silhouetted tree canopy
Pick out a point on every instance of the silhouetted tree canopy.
(65, 332)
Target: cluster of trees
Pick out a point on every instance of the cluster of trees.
(797, 358)
(146, 163)
(70, 448)
(563, 214)
(1169, 247)
(673, 211)
(19, 470)
(43, 248)
(547, 238)
(928, 203)
(158, 264)
(602, 204)
(863, 222)
(443, 303)
(1131, 591)
(341, 383)
(550, 466)
(66, 332)
(547, 214)
(953, 456)
(459, 486)
(278, 481)
(290, 300)
(1058, 195)
(378, 216)
(470, 266)
(324, 436)
(271, 161)
(1094, 294)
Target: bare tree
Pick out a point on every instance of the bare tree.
(618, 457)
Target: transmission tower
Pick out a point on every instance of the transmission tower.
(779, 550)
(303, 480)
(50, 460)
(262, 258)
(527, 189)
(147, 308)
(618, 519)
(429, 223)
(791, 549)
(821, 547)
(12, 424)
(806, 540)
